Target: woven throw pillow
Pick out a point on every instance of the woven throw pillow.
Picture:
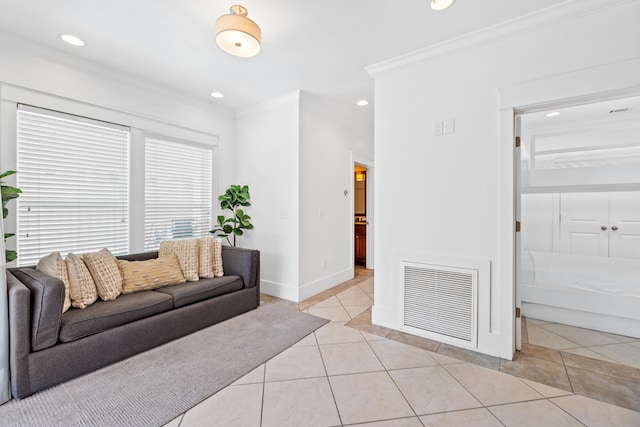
(82, 289)
(205, 255)
(151, 274)
(103, 267)
(53, 265)
(187, 252)
(218, 271)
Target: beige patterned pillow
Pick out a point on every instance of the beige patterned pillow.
(205, 254)
(105, 272)
(218, 271)
(82, 289)
(151, 274)
(53, 265)
(187, 252)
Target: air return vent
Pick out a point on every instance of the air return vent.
(441, 301)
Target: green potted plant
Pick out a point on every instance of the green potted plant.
(8, 193)
(234, 199)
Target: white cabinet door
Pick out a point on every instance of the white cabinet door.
(624, 225)
(584, 223)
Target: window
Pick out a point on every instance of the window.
(178, 188)
(74, 176)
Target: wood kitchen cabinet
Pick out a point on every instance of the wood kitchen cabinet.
(361, 244)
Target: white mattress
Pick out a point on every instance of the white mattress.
(601, 275)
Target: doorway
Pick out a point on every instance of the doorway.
(578, 252)
(362, 212)
(360, 215)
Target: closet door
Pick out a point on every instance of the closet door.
(624, 221)
(584, 224)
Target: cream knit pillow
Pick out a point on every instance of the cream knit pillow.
(187, 252)
(218, 271)
(82, 289)
(103, 267)
(205, 254)
(53, 265)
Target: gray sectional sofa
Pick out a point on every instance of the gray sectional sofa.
(48, 347)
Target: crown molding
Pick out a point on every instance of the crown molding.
(565, 11)
(269, 105)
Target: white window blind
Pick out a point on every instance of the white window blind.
(74, 176)
(178, 187)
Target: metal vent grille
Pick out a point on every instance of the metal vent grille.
(441, 300)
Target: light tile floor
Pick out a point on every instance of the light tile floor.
(339, 376)
(585, 342)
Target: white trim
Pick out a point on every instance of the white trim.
(313, 288)
(553, 15)
(23, 95)
(280, 290)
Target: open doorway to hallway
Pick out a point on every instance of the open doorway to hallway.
(362, 212)
(360, 215)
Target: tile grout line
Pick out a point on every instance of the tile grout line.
(264, 384)
(566, 412)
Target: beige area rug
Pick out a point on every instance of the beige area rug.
(154, 387)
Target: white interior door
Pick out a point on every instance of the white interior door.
(624, 225)
(584, 224)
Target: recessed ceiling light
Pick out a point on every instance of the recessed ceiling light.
(553, 114)
(72, 40)
(217, 94)
(440, 4)
(362, 103)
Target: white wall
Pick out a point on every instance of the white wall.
(451, 185)
(295, 154)
(50, 78)
(268, 162)
(326, 171)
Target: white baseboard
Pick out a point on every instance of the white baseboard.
(384, 316)
(305, 291)
(279, 290)
(313, 288)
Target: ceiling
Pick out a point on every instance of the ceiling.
(321, 47)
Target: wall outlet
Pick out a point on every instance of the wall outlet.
(438, 128)
(284, 214)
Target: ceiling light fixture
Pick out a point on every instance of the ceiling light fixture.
(441, 4)
(362, 103)
(217, 95)
(238, 35)
(72, 40)
(553, 114)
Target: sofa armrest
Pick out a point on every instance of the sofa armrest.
(242, 262)
(47, 299)
(19, 335)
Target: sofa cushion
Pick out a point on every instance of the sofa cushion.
(104, 269)
(187, 252)
(190, 292)
(82, 288)
(53, 265)
(104, 315)
(150, 274)
(47, 299)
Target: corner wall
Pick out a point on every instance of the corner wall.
(294, 152)
(450, 187)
